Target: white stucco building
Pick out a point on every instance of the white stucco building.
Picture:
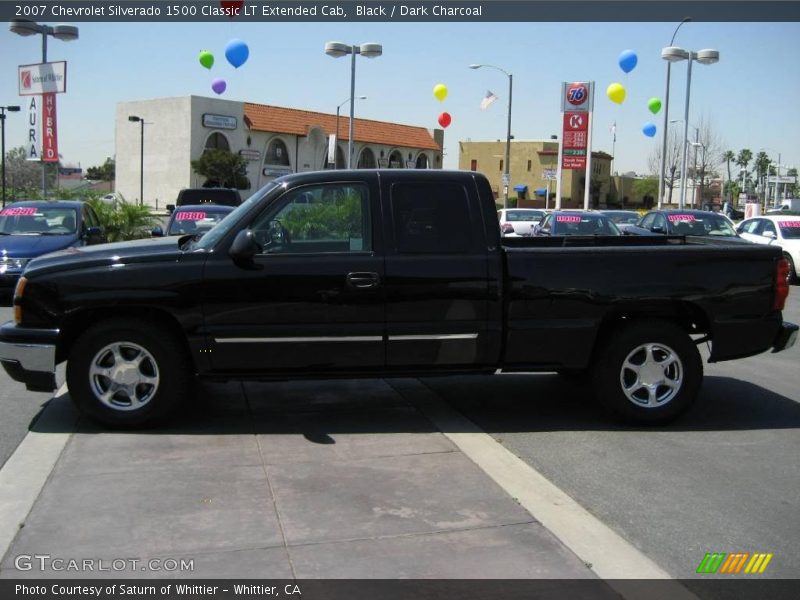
(275, 141)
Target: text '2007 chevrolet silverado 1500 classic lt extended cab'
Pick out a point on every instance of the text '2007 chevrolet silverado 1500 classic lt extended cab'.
(388, 273)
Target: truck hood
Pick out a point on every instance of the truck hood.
(30, 246)
(136, 251)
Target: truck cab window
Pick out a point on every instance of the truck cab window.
(321, 218)
(431, 218)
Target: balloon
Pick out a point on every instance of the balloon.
(206, 59)
(654, 104)
(627, 60)
(440, 91)
(237, 52)
(649, 129)
(218, 85)
(445, 119)
(616, 93)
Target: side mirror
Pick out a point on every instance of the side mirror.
(157, 231)
(657, 229)
(94, 235)
(769, 234)
(170, 208)
(244, 247)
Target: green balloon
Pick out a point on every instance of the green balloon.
(654, 104)
(206, 59)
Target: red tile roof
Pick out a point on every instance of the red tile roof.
(278, 119)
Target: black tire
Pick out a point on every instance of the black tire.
(101, 381)
(664, 388)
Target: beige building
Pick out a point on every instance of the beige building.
(275, 141)
(533, 171)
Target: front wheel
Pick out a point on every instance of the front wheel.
(650, 372)
(125, 372)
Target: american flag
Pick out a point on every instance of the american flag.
(487, 100)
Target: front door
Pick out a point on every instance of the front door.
(312, 301)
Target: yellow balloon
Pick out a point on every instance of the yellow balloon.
(616, 93)
(440, 91)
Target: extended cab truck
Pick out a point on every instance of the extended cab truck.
(387, 273)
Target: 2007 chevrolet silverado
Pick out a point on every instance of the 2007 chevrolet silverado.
(388, 273)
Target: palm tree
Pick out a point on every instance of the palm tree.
(762, 168)
(744, 158)
(728, 156)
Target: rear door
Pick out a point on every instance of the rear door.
(312, 301)
(437, 281)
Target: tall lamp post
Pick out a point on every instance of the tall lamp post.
(704, 57)
(140, 120)
(339, 49)
(335, 166)
(506, 165)
(65, 33)
(3, 110)
(698, 144)
(663, 173)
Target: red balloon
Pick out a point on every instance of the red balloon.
(445, 119)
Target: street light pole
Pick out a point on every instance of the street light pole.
(140, 120)
(335, 165)
(337, 50)
(3, 110)
(506, 164)
(65, 33)
(663, 172)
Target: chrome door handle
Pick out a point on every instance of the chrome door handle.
(363, 280)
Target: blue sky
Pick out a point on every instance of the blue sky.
(750, 96)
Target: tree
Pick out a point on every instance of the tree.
(646, 188)
(222, 168)
(124, 221)
(708, 160)
(762, 165)
(670, 166)
(728, 156)
(742, 160)
(23, 176)
(105, 172)
(793, 190)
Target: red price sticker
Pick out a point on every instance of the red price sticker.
(681, 218)
(789, 223)
(568, 219)
(18, 211)
(190, 216)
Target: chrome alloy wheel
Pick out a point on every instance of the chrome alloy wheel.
(123, 376)
(651, 375)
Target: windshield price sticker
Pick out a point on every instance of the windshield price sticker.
(681, 218)
(19, 211)
(190, 216)
(568, 219)
(789, 223)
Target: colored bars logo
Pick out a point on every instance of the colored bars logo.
(733, 563)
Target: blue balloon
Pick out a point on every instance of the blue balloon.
(649, 129)
(237, 52)
(627, 60)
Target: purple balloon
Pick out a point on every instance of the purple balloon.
(218, 85)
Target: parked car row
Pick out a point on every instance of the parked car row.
(783, 230)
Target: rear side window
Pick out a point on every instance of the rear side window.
(431, 218)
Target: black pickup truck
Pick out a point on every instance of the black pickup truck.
(388, 273)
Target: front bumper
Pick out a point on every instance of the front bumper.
(786, 337)
(29, 356)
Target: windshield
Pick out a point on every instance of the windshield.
(790, 230)
(209, 240)
(195, 221)
(38, 220)
(700, 224)
(584, 224)
(524, 215)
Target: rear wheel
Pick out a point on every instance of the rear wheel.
(650, 372)
(126, 372)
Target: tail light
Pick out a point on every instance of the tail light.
(781, 283)
(507, 228)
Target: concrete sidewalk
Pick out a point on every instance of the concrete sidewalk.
(329, 479)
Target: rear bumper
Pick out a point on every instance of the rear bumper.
(29, 356)
(786, 337)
